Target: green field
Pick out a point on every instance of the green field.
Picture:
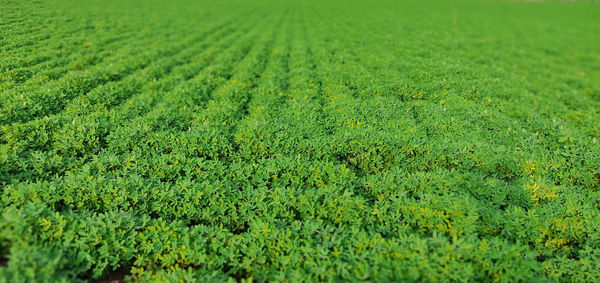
(299, 140)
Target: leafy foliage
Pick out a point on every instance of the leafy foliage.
(299, 141)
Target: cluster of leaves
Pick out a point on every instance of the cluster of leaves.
(300, 141)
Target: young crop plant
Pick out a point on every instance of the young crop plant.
(299, 141)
